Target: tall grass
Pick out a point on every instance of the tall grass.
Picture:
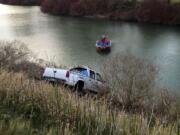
(48, 107)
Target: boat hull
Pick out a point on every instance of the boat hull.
(103, 48)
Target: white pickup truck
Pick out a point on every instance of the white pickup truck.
(81, 78)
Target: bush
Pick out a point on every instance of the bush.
(131, 83)
(130, 80)
(16, 57)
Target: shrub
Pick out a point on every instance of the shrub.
(129, 79)
(131, 83)
(16, 57)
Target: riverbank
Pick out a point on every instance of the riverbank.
(43, 108)
(150, 11)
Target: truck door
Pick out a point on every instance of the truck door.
(92, 81)
(99, 81)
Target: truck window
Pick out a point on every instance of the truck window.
(92, 74)
(98, 77)
(79, 70)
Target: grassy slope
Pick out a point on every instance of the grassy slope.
(43, 109)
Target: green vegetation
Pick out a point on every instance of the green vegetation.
(29, 106)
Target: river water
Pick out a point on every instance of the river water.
(71, 41)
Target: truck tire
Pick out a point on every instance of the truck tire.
(79, 86)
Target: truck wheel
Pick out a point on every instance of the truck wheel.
(79, 86)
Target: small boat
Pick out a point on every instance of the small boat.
(103, 46)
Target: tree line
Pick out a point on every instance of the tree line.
(21, 2)
(154, 11)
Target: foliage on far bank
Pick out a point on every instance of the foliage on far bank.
(153, 11)
(21, 2)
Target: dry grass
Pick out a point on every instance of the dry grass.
(16, 57)
(56, 108)
(131, 83)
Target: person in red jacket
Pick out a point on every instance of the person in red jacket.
(104, 40)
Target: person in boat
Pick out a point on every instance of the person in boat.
(104, 40)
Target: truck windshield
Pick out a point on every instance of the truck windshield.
(79, 70)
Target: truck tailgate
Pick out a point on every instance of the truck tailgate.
(55, 73)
